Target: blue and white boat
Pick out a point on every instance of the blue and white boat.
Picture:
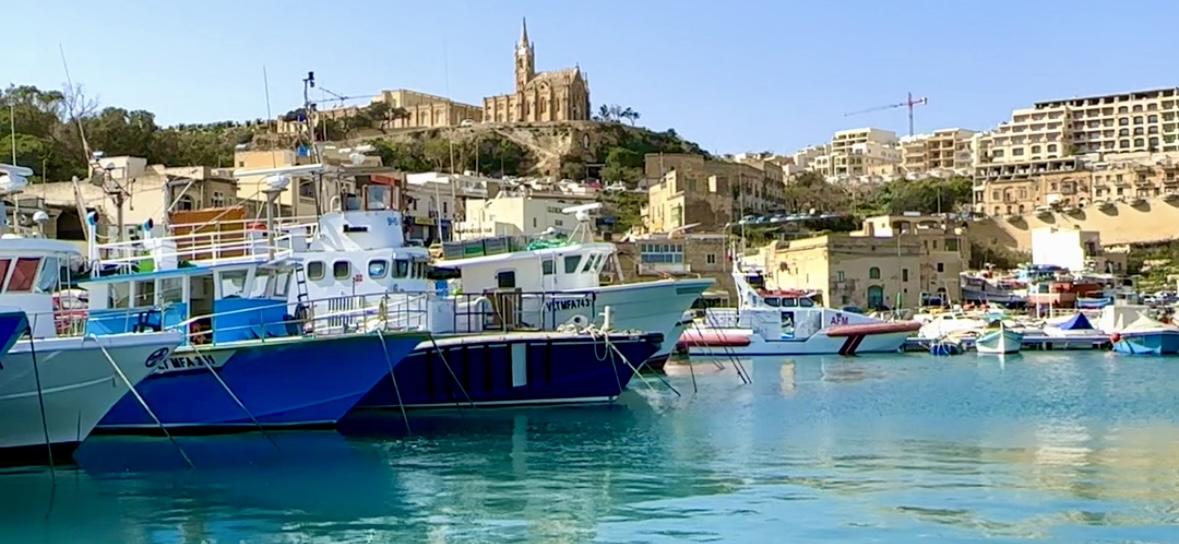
(498, 348)
(247, 360)
(1146, 336)
(999, 340)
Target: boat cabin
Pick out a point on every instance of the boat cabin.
(223, 303)
(31, 271)
(513, 263)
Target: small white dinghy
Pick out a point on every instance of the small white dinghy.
(999, 340)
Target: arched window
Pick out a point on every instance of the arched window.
(185, 204)
(874, 273)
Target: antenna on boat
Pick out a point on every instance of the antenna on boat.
(12, 180)
(582, 213)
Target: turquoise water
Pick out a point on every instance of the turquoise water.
(1051, 447)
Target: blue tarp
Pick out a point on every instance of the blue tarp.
(1077, 323)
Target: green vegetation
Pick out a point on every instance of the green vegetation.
(48, 139)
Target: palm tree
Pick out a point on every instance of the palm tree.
(604, 113)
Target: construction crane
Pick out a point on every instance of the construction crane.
(909, 103)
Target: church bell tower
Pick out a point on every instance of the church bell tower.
(525, 62)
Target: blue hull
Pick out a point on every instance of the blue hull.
(1148, 343)
(303, 382)
(507, 371)
(13, 325)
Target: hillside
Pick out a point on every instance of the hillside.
(576, 149)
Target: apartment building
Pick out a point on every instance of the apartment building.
(1019, 188)
(943, 152)
(1121, 123)
(855, 153)
(687, 189)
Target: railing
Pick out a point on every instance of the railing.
(210, 248)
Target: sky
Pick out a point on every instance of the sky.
(741, 75)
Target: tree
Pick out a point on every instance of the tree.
(630, 115)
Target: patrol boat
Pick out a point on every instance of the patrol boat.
(246, 361)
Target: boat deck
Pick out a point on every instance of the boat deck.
(1095, 341)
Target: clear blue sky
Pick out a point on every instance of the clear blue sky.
(734, 76)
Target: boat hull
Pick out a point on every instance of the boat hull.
(78, 387)
(1000, 342)
(818, 344)
(282, 383)
(513, 370)
(1148, 343)
(656, 306)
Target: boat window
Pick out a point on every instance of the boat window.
(378, 268)
(806, 303)
(233, 283)
(145, 294)
(589, 263)
(400, 268)
(119, 295)
(260, 286)
(506, 279)
(773, 302)
(423, 269)
(548, 267)
(23, 274)
(571, 263)
(315, 270)
(342, 270)
(171, 290)
(789, 303)
(282, 283)
(50, 274)
(3, 270)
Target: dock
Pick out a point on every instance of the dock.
(1039, 342)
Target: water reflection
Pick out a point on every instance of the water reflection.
(1065, 447)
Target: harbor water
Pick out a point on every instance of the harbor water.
(1044, 446)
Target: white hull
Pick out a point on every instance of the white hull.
(656, 306)
(78, 384)
(999, 343)
(818, 344)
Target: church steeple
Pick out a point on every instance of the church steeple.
(525, 59)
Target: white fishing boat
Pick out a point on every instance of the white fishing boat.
(54, 389)
(787, 322)
(999, 340)
(358, 249)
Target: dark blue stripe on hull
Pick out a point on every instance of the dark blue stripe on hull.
(554, 371)
(310, 383)
(63, 452)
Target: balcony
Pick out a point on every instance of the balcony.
(659, 269)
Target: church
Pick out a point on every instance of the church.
(561, 95)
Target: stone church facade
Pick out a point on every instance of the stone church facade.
(561, 95)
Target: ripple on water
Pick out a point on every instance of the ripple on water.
(1078, 447)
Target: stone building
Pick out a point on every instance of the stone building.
(849, 269)
(561, 95)
(692, 190)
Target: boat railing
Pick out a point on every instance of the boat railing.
(492, 311)
(206, 248)
(237, 227)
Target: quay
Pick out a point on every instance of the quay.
(1038, 342)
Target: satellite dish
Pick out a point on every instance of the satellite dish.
(11, 183)
(40, 217)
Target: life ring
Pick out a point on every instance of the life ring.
(1115, 338)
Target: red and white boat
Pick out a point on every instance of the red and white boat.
(789, 322)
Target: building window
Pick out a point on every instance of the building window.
(650, 253)
(445, 211)
(218, 199)
(839, 275)
(904, 274)
(533, 222)
(951, 244)
(941, 267)
(710, 258)
(873, 273)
